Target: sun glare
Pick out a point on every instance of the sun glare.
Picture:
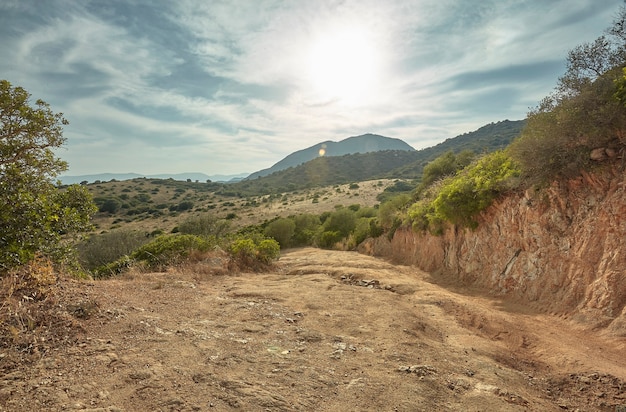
(343, 66)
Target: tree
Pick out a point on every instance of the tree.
(36, 217)
(584, 113)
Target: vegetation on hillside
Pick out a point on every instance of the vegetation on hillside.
(582, 122)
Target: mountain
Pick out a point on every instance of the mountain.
(384, 164)
(105, 177)
(357, 144)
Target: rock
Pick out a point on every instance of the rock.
(598, 154)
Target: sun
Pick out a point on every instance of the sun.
(343, 65)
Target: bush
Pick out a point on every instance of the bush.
(206, 225)
(461, 198)
(282, 230)
(328, 239)
(110, 205)
(100, 250)
(168, 250)
(253, 252)
(307, 226)
(390, 211)
(342, 221)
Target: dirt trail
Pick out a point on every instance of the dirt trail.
(327, 331)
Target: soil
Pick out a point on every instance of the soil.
(323, 331)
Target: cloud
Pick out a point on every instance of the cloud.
(225, 86)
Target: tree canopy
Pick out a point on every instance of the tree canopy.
(35, 215)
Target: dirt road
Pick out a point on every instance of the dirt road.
(327, 331)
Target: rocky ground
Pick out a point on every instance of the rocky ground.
(324, 331)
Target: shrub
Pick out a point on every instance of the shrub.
(461, 198)
(206, 225)
(253, 252)
(268, 250)
(102, 249)
(282, 230)
(390, 210)
(110, 205)
(169, 250)
(307, 226)
(35, 215)
(328, 239)
(342, 221)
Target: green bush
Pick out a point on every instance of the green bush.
(328, 239)
(254, 252)
(307, 226)
(268, 250)
(390, 211)
(282, 230)
(167, 250)
(462, 197)
(365, 227)
(445, 165)
(342, 221)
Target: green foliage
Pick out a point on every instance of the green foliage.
(620, 88)
(584, 112)
(400, 186)
(268, 250)
(307, 226)
(168, 250)
(254, 252)
(281, 230)
(342, 221)
(445, 165)
(423, 217)
(110, 205)
(36, 217)
(327, 239)
(389, 212)
(365, 227)
(461, 198)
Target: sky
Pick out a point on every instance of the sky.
(231, 87)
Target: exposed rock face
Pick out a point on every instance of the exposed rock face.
(561, 250)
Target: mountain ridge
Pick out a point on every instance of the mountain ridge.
(364, 143)
(201, 177)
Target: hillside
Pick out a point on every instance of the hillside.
(386, 164)
(559, 250)
(489, 138)
(357, 144)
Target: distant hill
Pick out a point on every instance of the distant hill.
(489, 138)
(387, 164)
(105, 177)
(357, 144)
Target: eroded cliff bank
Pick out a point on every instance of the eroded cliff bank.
(561, 249)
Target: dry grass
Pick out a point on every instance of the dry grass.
(39, 311)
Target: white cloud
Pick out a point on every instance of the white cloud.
(233, 77)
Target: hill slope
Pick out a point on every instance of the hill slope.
(357, 144)
(388, 164)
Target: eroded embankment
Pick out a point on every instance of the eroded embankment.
(561, 249)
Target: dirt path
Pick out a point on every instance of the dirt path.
(327, 331)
